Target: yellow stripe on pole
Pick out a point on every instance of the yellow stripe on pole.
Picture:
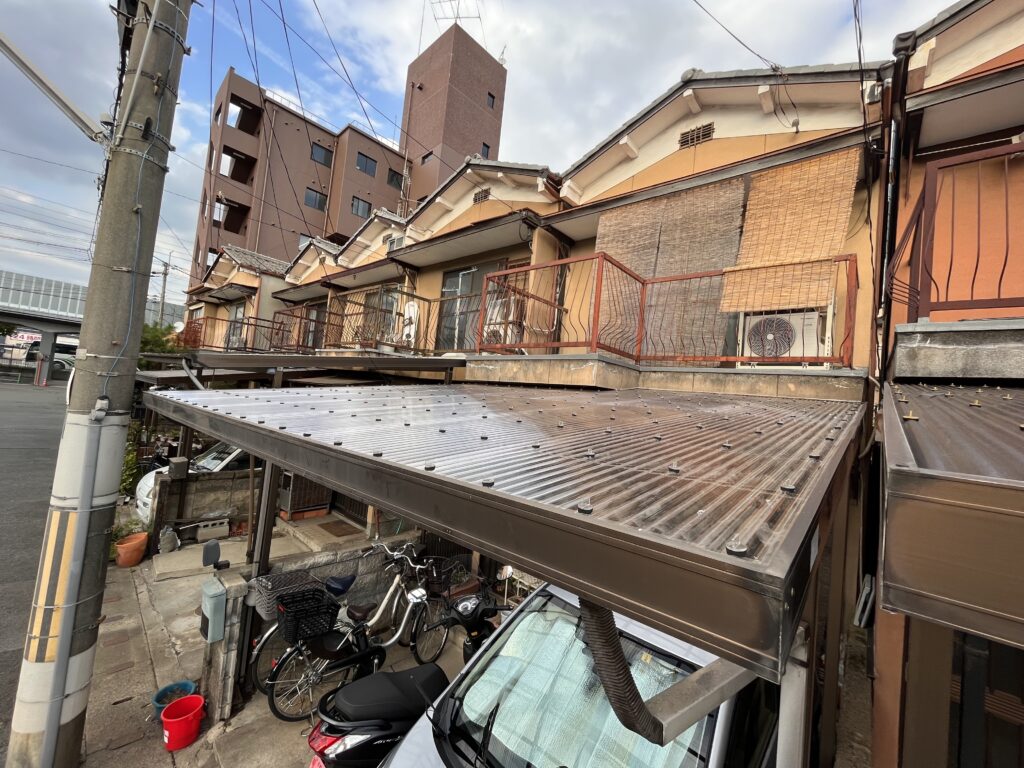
(60, 596)
(42, 587)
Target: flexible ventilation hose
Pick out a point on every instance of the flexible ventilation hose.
(613, 671)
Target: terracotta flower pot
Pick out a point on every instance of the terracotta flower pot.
(131, 549)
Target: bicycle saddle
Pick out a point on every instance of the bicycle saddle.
(339, 585)
(359, 613)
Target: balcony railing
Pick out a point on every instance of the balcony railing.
(385, 318)
(248, 334)
(964, 240)
(775, 314)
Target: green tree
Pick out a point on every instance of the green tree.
(157, 339)
(6, 329)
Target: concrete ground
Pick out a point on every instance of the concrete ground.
(30, 424)
(148, 640)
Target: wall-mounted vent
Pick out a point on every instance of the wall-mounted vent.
(695, 136)
(483, 194)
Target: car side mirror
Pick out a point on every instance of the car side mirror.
(211, 556)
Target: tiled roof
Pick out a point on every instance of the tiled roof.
(256, 261)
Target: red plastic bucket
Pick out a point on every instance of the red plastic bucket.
(181, 721)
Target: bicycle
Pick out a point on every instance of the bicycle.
(322, 657)
(271, 645)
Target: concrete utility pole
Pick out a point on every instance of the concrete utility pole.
(56, 672)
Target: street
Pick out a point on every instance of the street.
(30, 423)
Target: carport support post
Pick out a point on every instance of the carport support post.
(56, 670)
(793, 709)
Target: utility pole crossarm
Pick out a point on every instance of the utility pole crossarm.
(82, 121)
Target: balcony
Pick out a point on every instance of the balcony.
(789, 314)
(963, 246)
(384, 318)
(248, 334)
(783, 314)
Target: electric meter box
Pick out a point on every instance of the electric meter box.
(214, 604)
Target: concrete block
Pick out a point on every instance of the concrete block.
(822, 387)
(979, 349)
(676, 381)
(745, 383)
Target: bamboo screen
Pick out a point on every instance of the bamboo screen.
(798, 214)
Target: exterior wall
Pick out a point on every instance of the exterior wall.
(489, 209)
(429, 279)
(265, 304)
(348, 182)
(282, 213)
(741, 133)
(446, 110)
(989, 37)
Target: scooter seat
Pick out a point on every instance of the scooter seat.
(390, 695)
(339, 585)
(360, 613)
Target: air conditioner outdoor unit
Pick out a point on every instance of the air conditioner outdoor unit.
(504, 321)
(786, 334)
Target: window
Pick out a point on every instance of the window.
(360, 208)
(394, 178)
(322, 155)
(483, 194)
(695, 136)
(395, 243)
(234, 113)
(366, 164)
(490, 100)
(219, 211)
(485, 151)
(316, 199)
(226, 162)
(536, 696)
(426, 158)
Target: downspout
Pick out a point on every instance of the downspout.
(903, 47)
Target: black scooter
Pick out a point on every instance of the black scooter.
(361, 722)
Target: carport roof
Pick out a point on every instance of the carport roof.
(695, 513)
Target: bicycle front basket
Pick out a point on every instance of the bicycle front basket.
(305, 614)
(270, 587)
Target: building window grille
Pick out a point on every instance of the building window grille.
(366, 164)
(695, 136)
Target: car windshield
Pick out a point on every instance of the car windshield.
(212, 458)
(534, 701)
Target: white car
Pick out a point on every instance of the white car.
(220, 458)
(530, 697)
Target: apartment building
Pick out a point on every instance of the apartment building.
(275, 177)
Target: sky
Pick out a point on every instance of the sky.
(577, 69)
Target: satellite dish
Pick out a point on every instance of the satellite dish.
(179, 327)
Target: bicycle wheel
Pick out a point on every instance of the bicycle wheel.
(265, 658)
(427, 644)
(299, 681)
